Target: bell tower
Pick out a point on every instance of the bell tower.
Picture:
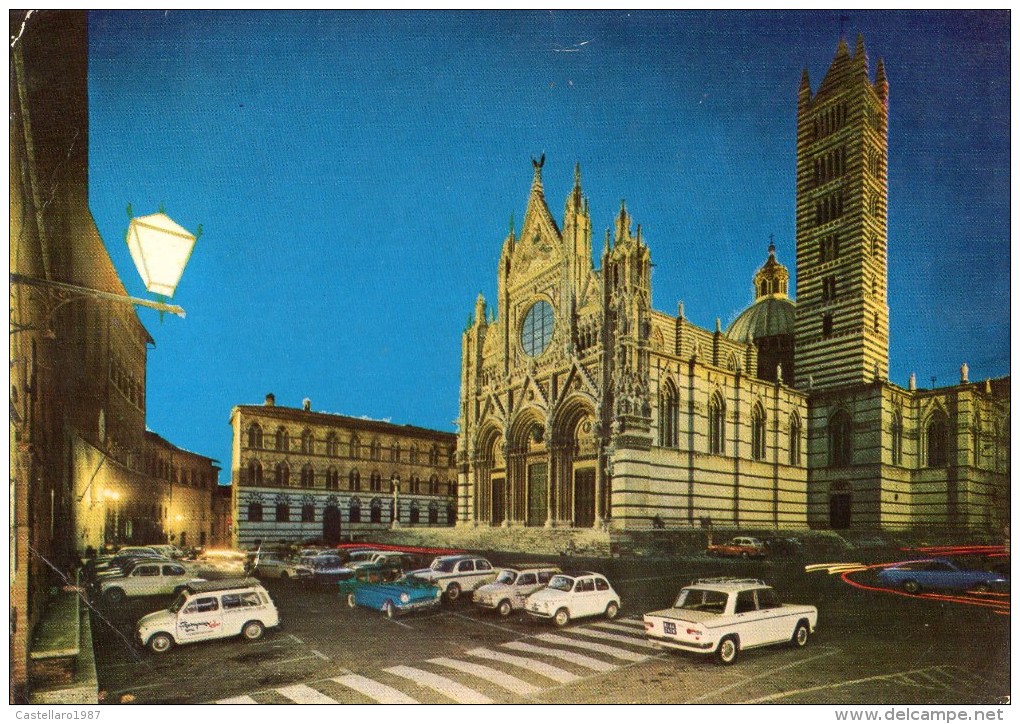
(842, 322)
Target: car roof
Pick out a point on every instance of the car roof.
(575, 574)
(530, 567)
(228, 584)
(729, 584)
(459, 557)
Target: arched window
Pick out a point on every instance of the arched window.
(376, 510)
(415, 484)
(332, 478)
(897, 438)
(433, 485)
(254, 473)
(255, 436)
(282, 440)
(395, 453)
(716, 425)
(376, 482)
(937, 434)
(282, 512)
(307, 476)
(282, 474)
(414, 454)
(355, 510)
(794, 439)
(669, 416)
(376, 450)
(308, 512)
(841, 444)
(757, 432)
(355, 447)
(307, 442)
(332, 445)
(354, 480)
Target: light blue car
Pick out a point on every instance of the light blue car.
(409, 593)
(939, 573)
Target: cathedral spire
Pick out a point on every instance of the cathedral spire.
(537, 214)
(772, 278)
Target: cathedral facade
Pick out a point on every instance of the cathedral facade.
(582, 406)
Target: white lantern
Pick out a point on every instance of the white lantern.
(160, 248)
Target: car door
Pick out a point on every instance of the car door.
(237, 610)
(585, 601)
(524, 586)
(144, 580)
(603, 594)
(173, 576)
(200, 619)
(775, 624)
(749, 620)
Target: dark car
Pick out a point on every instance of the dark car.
(939, 573)
(326, 569)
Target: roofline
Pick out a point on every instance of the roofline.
(331, 418)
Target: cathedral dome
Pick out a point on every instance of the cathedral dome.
(772, 313)
(767, 317)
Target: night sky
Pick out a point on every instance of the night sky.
(355, 174)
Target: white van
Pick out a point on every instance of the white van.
(210, 610)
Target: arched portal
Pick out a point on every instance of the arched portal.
(490, 477)
(528, 469)
(575, 462)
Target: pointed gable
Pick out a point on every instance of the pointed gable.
(540, 244)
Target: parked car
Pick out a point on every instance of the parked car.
(169, 551)
(276, 566)
(326, 569)
(120, 559)
(724, 616)
(210, 610)
(153, 578)
(454, 574)
(410, 593)
(739, 547)
(939, 573)
(365, 574)
(574, 595)
(512, 586)
(367, 558)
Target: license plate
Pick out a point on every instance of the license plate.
(669, 627)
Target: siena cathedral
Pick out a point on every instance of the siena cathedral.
(581, 406)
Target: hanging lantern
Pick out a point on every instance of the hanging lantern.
(160, 248)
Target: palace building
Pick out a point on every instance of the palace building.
(302, 475)
(581, 406)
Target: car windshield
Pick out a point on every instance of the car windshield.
(507, 577)
(701, 599)
(444, 566)
(321, 564)
(179, 603)
(561, 583)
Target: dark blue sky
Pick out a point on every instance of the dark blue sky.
(355, 174)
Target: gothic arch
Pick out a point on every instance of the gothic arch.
(528, 471)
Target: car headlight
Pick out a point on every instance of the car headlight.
(404, 598)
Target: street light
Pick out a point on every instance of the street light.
(395, 510)
(160, 249)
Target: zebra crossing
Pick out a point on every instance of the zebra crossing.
(512, 671)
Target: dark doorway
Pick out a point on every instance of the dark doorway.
(839, 511)
(331, 525)
(498, 501)
(584, 499)
(415, 515)
(538, 491)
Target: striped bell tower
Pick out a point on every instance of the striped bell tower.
(842, 323)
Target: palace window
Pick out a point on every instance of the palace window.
(758, 433)
(414, 454)
(255, 473)
(716, 425)
(282, 440)
(937, 434)
(332, 478)
(376, 450)
(282, 513)
(375, 482)
(332, 445)
(355, 510)
(282, 474)
(307, 442)
(307, 476)
(395, 453)
(254, 512)
(433, 485)
(308, 513)
(354, 480)
(355, 447)
(794, 440)
(376, 510)
(841, 442)
(255, 436)
(669, 417)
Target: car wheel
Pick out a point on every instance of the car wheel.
(389, 609)
(504, 608)
(727, 651)
(911, 587)
(284, 575)
(744, 555)
(612, 609)
(350, 600)
(452, 592)
(160, 643)
(562, 618)
(115, 595)
(253, 630)
(801, 635)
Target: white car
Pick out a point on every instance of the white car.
(270, 566)
(148, 579)
(210, 610)
(368, 558)
(454, 574)
(724, 616)
(574, 595)
(512, 586)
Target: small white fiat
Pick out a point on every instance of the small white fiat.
(574, 595)
(210, 610)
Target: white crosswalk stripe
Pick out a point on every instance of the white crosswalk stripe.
(447, 687)
(585, 661)
(613, 651)
(374, 690)
(302, 694)
(237, 700)
(629, 640)
(555, 673)
(505, 681)
(631, 628)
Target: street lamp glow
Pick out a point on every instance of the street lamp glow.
(160, 248)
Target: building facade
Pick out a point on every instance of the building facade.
(299, 475)
(582, 406)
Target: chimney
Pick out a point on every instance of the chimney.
(306, 405)
(270, 400)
